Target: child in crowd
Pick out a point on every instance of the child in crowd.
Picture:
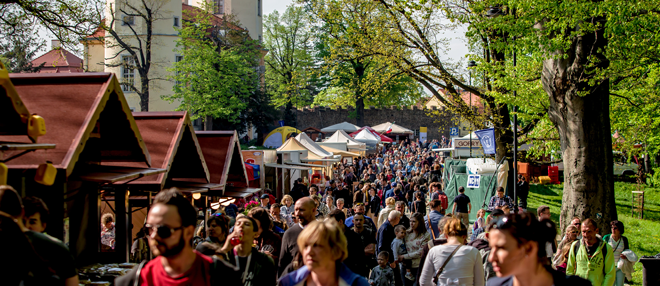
(481, 221)
(382, 275)
(399, 248)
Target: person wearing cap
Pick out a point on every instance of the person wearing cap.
(265, 201)
(332, 187)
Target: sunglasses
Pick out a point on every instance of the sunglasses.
(162, 230)
(575, 232)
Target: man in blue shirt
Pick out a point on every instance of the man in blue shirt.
(369, 224)
(500, 200)
(432, 219)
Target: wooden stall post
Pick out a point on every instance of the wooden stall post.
(122, 231)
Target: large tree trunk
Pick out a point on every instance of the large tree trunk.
(359, 111)
(580, 112)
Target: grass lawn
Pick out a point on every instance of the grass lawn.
(643, 235)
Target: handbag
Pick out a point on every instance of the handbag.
(437, 274)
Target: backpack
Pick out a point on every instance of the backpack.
(444, 201)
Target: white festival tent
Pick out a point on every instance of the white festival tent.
(312, 146)
(342, 137)
(366, 136)
(345, 126)
(397, 129)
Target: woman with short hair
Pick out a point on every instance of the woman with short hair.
(323, 247)
(619, 244)
(460, 264)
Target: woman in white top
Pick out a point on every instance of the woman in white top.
(382, 215)
(464, 268)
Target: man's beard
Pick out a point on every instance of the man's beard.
(169, 251)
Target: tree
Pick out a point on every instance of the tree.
(130, 25)
(19, 47)
(67, 20)
(351, 67)
(215, 77)
(291, 69)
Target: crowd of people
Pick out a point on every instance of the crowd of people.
(380, 220)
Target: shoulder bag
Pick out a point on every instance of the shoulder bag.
(437, 274)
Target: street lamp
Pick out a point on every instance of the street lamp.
(496, 11)
(471, 64)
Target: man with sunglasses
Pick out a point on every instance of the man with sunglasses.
(171, 226)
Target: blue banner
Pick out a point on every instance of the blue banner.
(487, 138)
(281, 122)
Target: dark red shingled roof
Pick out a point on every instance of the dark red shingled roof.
(58, 60)
(173, 146)
(223, 157)
(83, 112)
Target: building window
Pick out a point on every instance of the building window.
(259, 8)
(176, 21)
(219, 7)
(128, 20)
(127, 73)
(178, 59)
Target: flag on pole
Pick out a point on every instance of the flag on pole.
(389, 128)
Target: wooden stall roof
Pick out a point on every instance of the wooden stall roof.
(84, 112)
(223, 158)
(173, 146)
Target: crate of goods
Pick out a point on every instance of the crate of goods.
(544, 180)
(553, 173)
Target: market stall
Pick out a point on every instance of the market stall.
(91, 125)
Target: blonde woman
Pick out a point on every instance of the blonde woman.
(323, 247)
(389, 206)
(287, 206)
(481, 222)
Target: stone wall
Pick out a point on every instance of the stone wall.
(411, 118)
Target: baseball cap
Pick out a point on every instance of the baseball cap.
(265, 196)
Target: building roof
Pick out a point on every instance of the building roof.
(85, 112)
(189, 13)
(173, 146)
(223, 158)
(58, 60)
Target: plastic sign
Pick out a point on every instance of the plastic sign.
(453, 131)
(473, 181)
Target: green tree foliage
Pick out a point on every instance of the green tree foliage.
(67, 20)
(217, 74)
(20, 46)
(291, 72)
(354, 71)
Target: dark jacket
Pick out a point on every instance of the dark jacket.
(356, 259)
(289, 249)
(261, 266)
(384, 239)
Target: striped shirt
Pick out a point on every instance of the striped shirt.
(617, 248)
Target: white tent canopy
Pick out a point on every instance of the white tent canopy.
(312, 146)
(474, 136)
(365, 136)
(342, 137)
(381, 128)
(345, 126)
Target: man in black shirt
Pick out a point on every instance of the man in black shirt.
(304, 211)
(401, 207)
(55, 254)
(298, 191)
(368, 239)
(355, 260)
(462, 207)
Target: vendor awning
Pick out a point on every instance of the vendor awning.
(321, 160)
(223, 157)
(300, 168)
(112, 174)
(240, 192)
(306, 165)
(340, 152)
(192, 187)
